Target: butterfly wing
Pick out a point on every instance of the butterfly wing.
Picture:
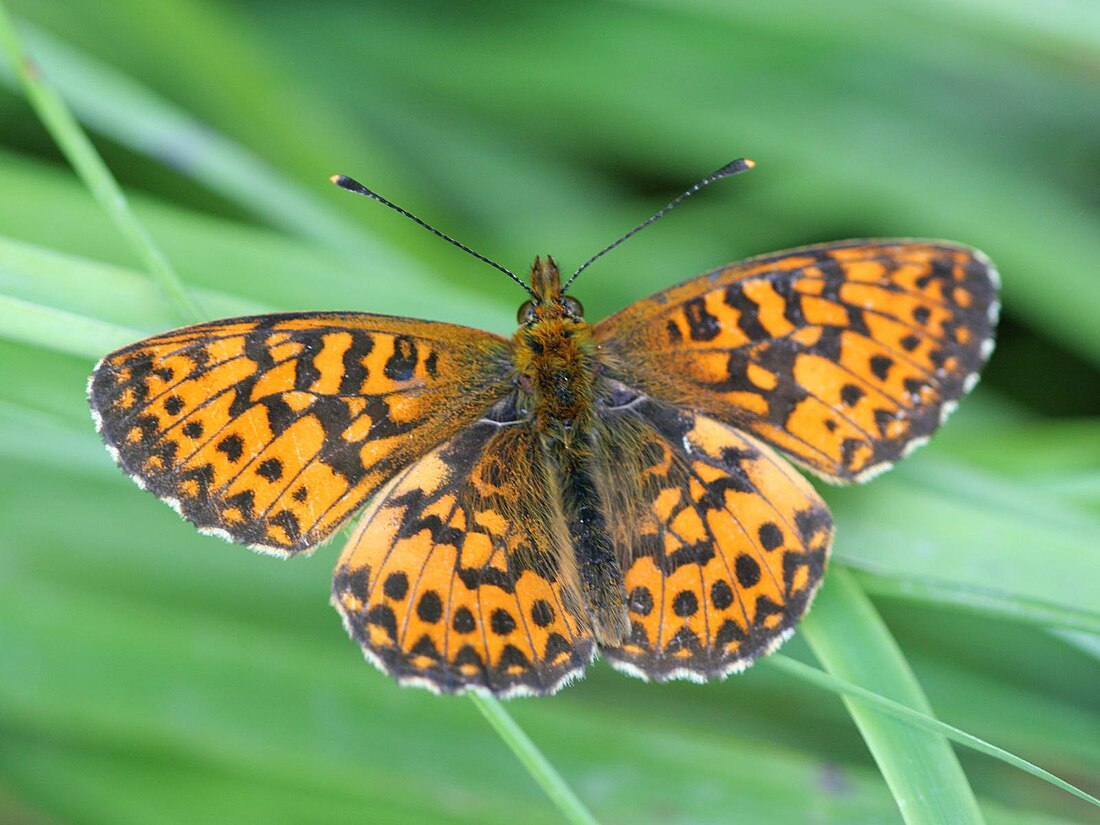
(460, 575)
(273, 430)
(725, 543)
(844, 356)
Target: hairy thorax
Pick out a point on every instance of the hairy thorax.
(556, 368)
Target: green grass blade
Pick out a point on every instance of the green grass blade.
(913, 522)
(922, 721)
(1087, 643)
(532, 758)
(81, 307)
(54, 212)
(72, 141)
(59, 330)
(128, 112)
(848, 637)
(997, 604)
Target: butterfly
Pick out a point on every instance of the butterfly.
(614, 488)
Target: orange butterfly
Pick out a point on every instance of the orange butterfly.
(577, 487)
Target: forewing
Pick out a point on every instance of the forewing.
(845, 356)
(460, 575)
(725, 544)
(273, 430)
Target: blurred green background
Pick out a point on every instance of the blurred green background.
(151, 675)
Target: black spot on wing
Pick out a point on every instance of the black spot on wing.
(430, 607)
(396, 585)
(770, 535)
(640, 601)
(880, 366)
(685, 603)
(463, 621)
(747, 570)
(232, 446)
(674, 334)
(850, 394)
(721, 594)
(270, 470)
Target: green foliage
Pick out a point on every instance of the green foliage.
(153, 675)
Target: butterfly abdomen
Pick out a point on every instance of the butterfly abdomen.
(598, 567)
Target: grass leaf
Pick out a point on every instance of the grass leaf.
(88, 164)
(922, 721)
(922, 771)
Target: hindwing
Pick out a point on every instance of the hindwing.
(723, 543)
(460, 575)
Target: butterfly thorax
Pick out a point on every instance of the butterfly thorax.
(555, 357)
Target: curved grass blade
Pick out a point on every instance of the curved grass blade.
(1086, 643)
(914, 521)
(848, 637)
(72, 141)
(842, 687)
(532, 758)
(59, 330)
(81, 307)
(113, 104)
(994, 603)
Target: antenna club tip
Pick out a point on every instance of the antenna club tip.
(344, 183)
(352, 185)
(734, 167)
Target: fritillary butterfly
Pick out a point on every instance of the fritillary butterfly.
(613, 487)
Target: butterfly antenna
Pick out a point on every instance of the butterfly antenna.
(351, 185)
(732, 168)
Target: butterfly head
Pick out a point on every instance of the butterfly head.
(554, 352)
(548, 303)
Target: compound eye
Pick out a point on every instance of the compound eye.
(526, 314)
(573, 306)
